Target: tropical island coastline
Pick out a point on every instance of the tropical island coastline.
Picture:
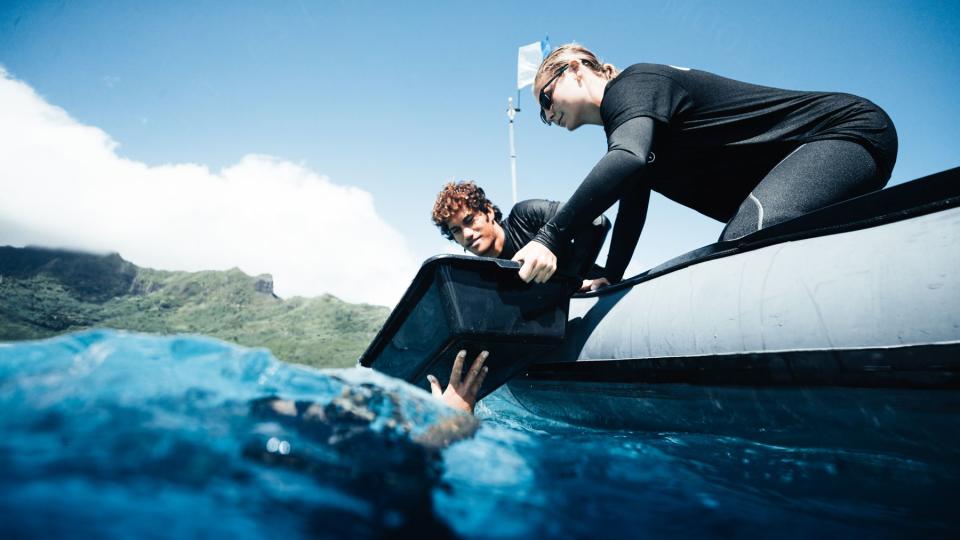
(47, 292)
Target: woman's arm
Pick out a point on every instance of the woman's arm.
(618, 170)
(580, 258)
(626, 231)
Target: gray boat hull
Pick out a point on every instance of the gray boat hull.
(880, 287)
(850, 332)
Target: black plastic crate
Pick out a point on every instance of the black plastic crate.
(473, 303)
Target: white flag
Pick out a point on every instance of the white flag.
(528, 61)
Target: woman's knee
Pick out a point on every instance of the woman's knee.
(748, 219)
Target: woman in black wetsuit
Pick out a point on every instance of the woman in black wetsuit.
(748, 155)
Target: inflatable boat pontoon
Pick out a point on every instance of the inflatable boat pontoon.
(844, 319)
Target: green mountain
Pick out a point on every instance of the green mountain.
(47, 292)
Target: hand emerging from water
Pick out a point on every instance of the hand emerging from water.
(539, 263)
(459, 394)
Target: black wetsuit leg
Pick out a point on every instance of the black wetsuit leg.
(814, 175)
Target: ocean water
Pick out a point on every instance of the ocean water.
(106, 434)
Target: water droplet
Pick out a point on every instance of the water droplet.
(273, 444)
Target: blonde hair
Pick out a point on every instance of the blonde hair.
(563, 54)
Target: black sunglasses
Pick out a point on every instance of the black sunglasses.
(547, 101)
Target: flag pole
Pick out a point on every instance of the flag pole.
(511, 114)
(529, 58)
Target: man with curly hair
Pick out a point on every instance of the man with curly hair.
(464, 215)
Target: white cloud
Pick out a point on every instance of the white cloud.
(62, 184)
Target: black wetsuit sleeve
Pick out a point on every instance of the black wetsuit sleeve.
(586, 246)
(615, 176)
(527, 217)
(630, 219)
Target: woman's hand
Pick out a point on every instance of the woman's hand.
(593, 284)
(461, 395)
(539, 263)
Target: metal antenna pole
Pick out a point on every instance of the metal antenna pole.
(511, 114)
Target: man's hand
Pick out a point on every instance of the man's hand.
(593, 284)
(539, 263)
(461, 395)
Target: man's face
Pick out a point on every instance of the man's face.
(475, 231)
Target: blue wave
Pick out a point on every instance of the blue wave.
(106, 434)
(117, 434)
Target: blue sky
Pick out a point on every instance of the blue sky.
(396, 98)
